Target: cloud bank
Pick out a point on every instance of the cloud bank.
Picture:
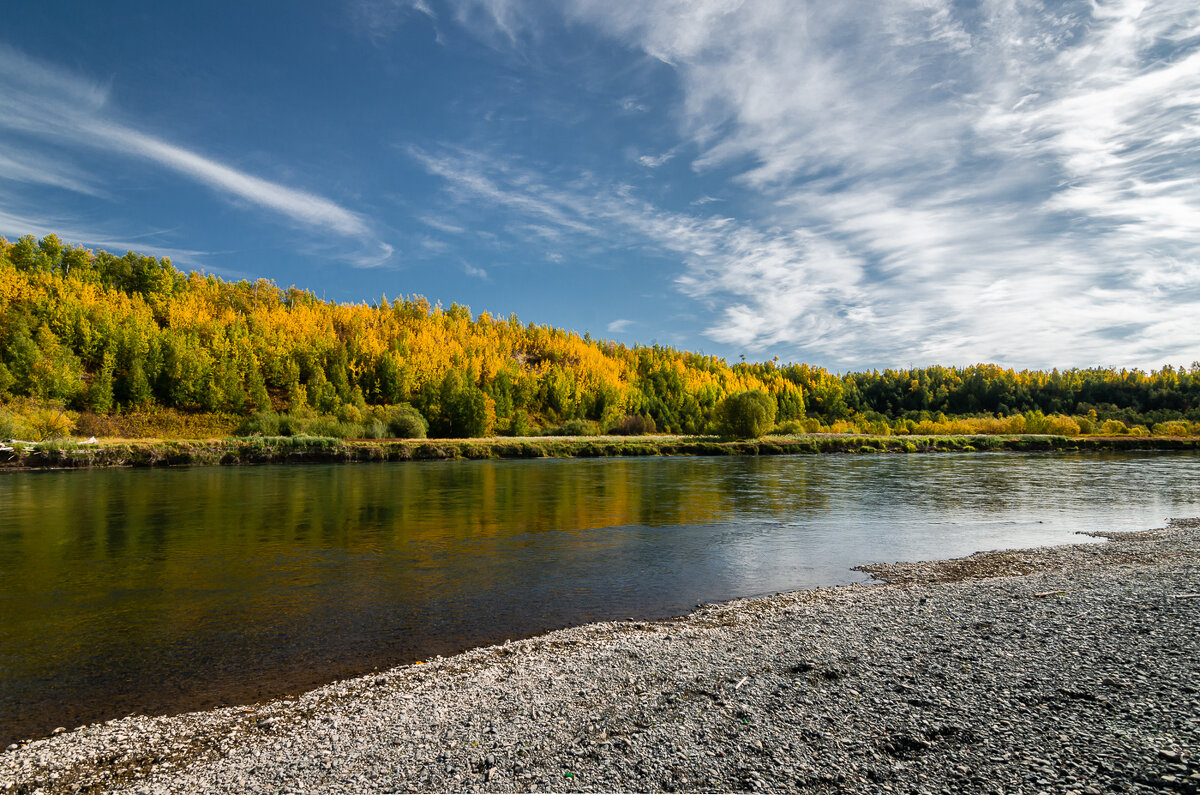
(920, 181)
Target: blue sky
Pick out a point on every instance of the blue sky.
(852, 184)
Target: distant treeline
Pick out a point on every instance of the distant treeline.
(114, 336)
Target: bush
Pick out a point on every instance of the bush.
(295, 423)
(1160, 428)
(746, 415)
(8, 425)
(471, 413)
(375, 429)
(1061, 425)
(575, 428)
(404, 422)
(519, 424)
(349, 412)
(49, 423)
(634, 425)
(1113, 428)
(789, 428)
(331, 427)
(261, 423)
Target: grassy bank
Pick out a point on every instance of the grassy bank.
(308, 449)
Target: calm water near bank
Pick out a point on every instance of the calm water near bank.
(165, 590)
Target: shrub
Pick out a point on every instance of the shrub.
(349, 412)
(746, 415)
(375, 429)
(295, 423)
(789, 428)
(50, 423)
(1113, 428)
(634, 425)
(1160, 429)
(576, 428)
(471, 413)
(403, 421)
(1061, 425)
(519, 424)
(8, 425)
(331, 427)
(260, 423)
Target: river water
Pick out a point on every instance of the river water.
(173, 589)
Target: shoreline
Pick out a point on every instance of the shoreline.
(300, 450)
(1065, 669)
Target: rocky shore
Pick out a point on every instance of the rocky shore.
(1062, 669)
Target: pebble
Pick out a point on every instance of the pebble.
(985, 687)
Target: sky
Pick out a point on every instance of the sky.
(854, 185)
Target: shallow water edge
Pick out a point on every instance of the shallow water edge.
(927, 684)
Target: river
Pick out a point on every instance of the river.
(172, 589)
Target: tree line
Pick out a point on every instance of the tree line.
(109, 335)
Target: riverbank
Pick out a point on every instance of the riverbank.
(1060, 669)
(304, 449)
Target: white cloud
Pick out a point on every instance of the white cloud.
(378, 19)
(1008, 181)
(471, 270)
(654, 161)
(620, 326)
(467, 173)
(64, 115)
(300, 206)
(19, 164)
(442, 224)
(632, 105)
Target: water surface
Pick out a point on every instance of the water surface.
(170, 589)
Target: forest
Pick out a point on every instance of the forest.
(99, 344)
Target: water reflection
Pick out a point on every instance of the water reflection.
(126, 590)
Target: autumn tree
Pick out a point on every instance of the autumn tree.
(746, 415)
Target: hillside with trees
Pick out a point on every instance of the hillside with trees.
(130, 345)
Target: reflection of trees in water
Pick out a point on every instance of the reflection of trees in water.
(783, 488)
(141, 536)
(154, 578)
(980, 484)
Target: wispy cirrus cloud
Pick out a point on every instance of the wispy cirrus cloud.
(655, 161)
(53, 112)
(378, 19)
(19, 164)
(919, 180)
(474, 174)
(720, 252)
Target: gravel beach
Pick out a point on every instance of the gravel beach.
(1060, 669)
